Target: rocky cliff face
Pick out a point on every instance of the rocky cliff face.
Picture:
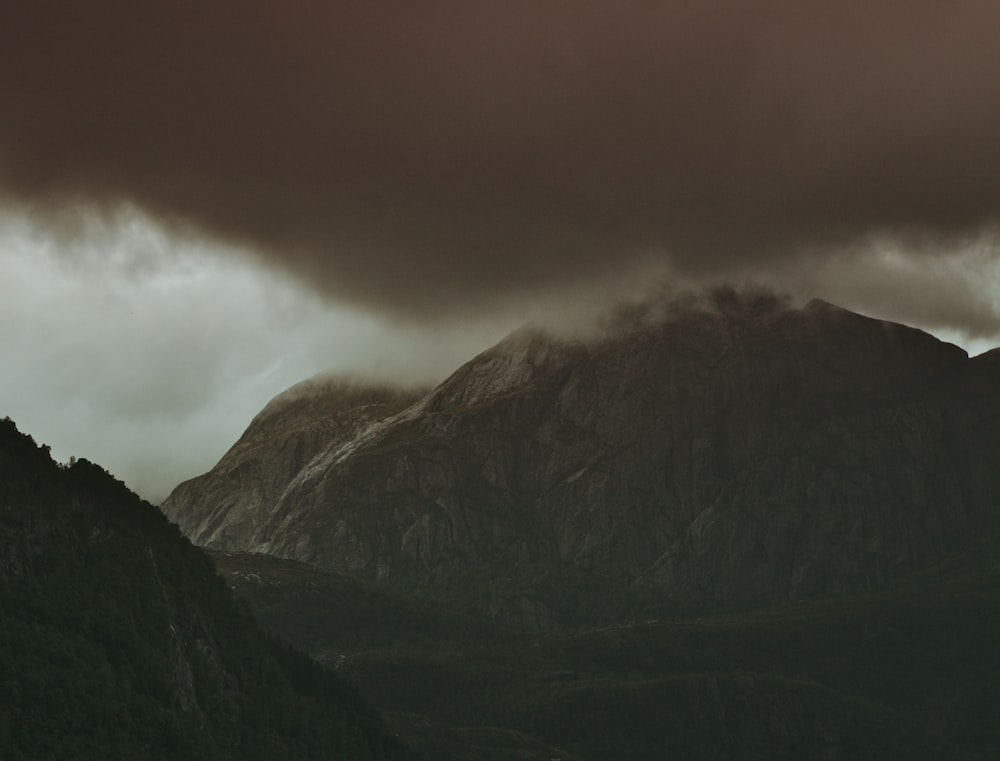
(232, 501)
(737, 450)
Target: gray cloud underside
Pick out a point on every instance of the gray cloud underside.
(150, 357)
(422, 158)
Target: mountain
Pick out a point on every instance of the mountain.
(735, 450)
(118, 640)
(246, 485)
(724, 528)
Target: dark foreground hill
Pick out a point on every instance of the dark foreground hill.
(735, 450)
(118, 641)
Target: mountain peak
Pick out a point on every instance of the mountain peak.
(737, 447)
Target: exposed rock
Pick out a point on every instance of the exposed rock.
(737, 452)
(249, 480)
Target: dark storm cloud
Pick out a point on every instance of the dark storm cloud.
(421, 156)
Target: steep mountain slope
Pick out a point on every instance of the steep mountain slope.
(117, 640)
(735, 451)
(294, 426)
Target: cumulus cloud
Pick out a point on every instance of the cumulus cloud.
(422, 159)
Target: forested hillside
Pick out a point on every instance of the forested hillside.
(118, 640)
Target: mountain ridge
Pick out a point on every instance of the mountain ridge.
(734, 449)
(290, 430)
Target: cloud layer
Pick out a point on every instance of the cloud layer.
(426, 158)
(149, 353)
(150, 356)
(437, 173)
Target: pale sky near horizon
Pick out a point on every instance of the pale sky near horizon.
(201, 204)
(150, 355)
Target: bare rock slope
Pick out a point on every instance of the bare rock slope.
(227, 505)
(742, 450)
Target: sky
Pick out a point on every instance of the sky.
(203, 203)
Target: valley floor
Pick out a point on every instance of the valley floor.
(907, 674)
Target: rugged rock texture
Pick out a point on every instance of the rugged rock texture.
(247, 484)
(741, 450)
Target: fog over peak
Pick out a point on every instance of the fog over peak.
(150, 353)
(203, 203)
